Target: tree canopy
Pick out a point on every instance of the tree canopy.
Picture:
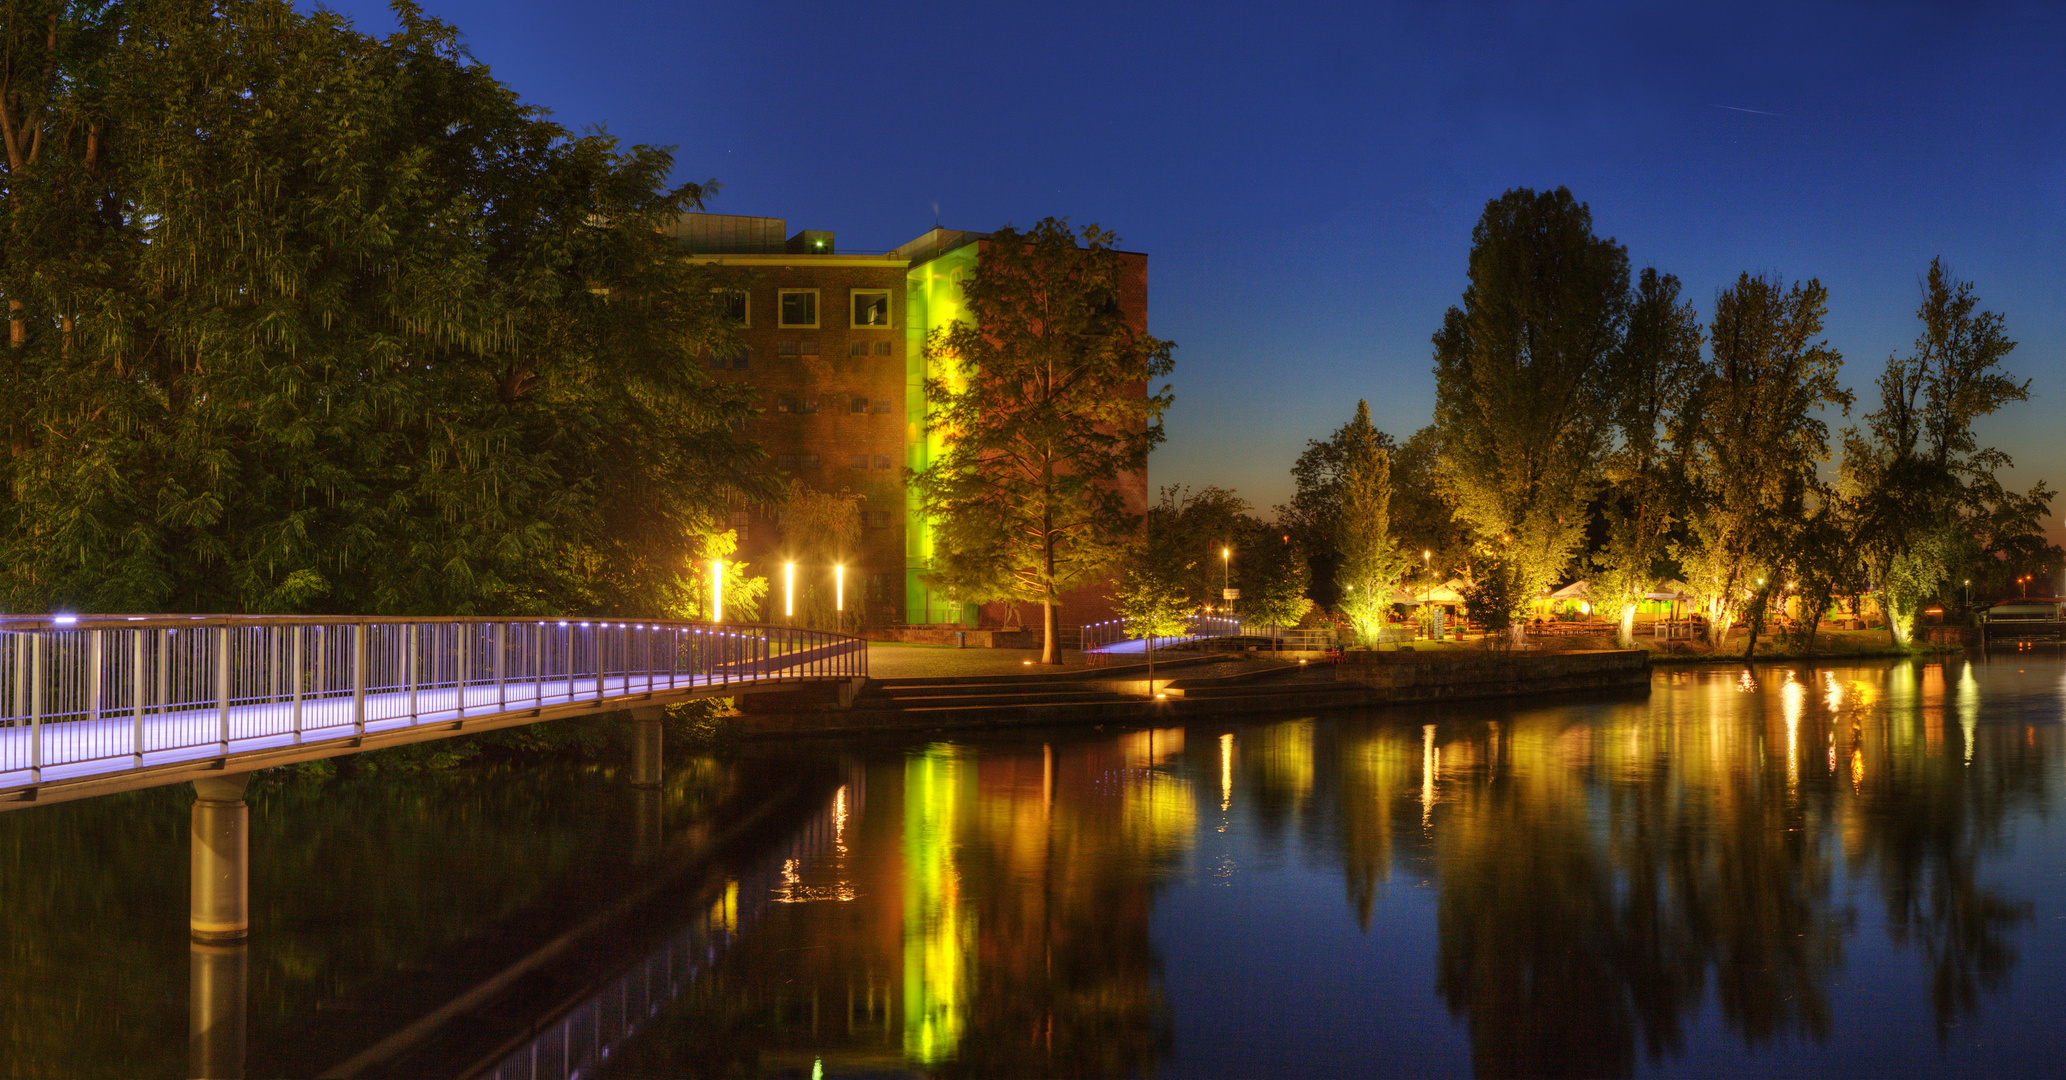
(1522, 389)
(302, 319)
(1046, 398)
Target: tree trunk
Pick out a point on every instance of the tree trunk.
(1625, 634)
(1051, 629)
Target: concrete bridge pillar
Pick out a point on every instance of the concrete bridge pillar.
(645, 747)
(216, 1011)
(221, 860)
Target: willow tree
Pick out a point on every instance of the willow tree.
(1045, 399)
(1754, 443)
(303, 319)
(1523, 394)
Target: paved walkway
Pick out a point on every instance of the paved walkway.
(896, 660)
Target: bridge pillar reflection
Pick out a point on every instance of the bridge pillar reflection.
(216, 1011)
(221, 860)
(645, 747)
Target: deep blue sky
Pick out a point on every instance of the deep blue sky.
(1304, 176)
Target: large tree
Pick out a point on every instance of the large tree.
(1753, 444)
(1522, 382)
(1653, 371)
(307, 320)
(1046, 398)
(1925, 493)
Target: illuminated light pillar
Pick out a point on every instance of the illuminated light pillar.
(717, 590)
(645, 747)
(221, 860)
(216, 1011)
(789, 590)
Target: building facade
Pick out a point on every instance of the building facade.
(834, 347)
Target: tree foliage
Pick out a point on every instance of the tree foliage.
(307, 320)
(1657, 363)
(1924, 491)
(1522, 381)
(1040, 397)
(1755, 441)
(1371, 562)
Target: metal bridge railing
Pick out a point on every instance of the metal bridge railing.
(77, 689)
(1099, 639)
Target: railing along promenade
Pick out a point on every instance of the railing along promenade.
(101, 703)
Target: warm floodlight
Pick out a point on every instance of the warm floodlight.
(789, 590)
(839, 588)
(717, 590)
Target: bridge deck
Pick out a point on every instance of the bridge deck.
(119, 747)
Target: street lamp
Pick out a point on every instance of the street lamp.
(789, 590)
(717, 590)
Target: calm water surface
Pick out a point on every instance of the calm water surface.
(1850, 871)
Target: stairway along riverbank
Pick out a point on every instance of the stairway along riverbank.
(1192, 686)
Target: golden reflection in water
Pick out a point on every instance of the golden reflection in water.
(1430, 765)
(1793, 699)
(1968, 708)
(939, 934)
(1226, 775)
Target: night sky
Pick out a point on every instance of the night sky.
(1304, 177)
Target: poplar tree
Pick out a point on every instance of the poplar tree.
(1753, 443)
(1045, 398)
(1371, 562)
(1925, 493)
(1523, 398)
(1653, 372)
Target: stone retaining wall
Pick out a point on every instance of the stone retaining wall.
(1453, 673)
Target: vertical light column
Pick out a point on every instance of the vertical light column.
(789, 590)
(216, 1010)
(717, 590)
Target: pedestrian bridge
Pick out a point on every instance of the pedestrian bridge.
(91, 705)
(1104, 640)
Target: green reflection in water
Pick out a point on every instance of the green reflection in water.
(938, 931)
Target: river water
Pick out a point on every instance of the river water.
(1773, 871)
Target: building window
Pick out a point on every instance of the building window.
(882, 518)
(798, 307)
(857, 348)
(721, 360)
(787, 348)
(810, 404)
(857, 405)
(882, 406)
(882, 461)
(882, 348)
(872, 308)
(810, 347)
(810, 461)
(789, 405)
(785, 461)
(857, 461)
(736, 309)
(739, 359)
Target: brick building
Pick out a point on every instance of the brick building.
(834, 347)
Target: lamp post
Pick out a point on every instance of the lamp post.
(789, 591)
(1226, 576)
(839, 593)
(717, 590)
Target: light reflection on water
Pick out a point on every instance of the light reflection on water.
(1771, 871)
(1777, 871)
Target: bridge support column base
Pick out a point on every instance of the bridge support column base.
(849, 690)
(645, 747)
(218, 889)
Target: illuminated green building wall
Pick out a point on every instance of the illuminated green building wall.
(932, 291)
